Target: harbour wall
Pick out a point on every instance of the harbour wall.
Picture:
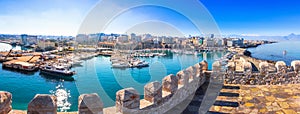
(158, 97)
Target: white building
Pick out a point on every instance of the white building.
(209, 42)
(122, 39)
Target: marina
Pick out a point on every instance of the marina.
(95, 71)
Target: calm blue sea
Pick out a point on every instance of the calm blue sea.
(275, 51)
(96, 76)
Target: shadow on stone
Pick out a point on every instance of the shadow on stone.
(226, 103)
(227, 94)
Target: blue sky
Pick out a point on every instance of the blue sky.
(264, 17)
(63, 17)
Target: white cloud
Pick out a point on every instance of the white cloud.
(48, 22)
(250, 35)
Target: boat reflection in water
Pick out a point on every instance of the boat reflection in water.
(19, 71)
(57, 78)
(62, 95)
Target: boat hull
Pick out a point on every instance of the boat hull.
(59, 74)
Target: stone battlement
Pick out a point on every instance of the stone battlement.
(268, 73)
(158, 97)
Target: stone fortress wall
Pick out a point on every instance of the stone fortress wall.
(240, 70)
(158, 98)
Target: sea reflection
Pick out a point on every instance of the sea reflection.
(57, 78)
(19, 71)
(62, 95)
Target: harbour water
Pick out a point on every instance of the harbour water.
(95, 76)
(275, 51)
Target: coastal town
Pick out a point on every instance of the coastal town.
(149, 57)
(57, 55)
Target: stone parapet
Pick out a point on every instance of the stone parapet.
(127, 100)
(153, 92)
(42, 104)
(296, 65)
(263, 67)
(5, 102)
(183, 78)
(90, 104)
(170, 84)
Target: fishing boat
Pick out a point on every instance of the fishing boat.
(56, 70)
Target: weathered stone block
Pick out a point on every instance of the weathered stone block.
(247, 66)
(280, 66)
(263, 67)
(204, 65)
(170, 83)
(183, 77)
(5, 102)
(231, 66)
(42, 104)
(192, 72)
(296, 65)
(153, 92)
(90, 104)
(127, 100)
(198, 70)
(216, 66)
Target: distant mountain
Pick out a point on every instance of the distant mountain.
(291, 37)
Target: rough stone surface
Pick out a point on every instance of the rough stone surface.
(42, 104)
(127, 100)
(247, 67)
(263, 67)
(231, 66)
(216, 66)
(5, 102)
(90, 104)
(280, 66)
(183, 77)
(204, 65)
(170, 83)
(172, 103)
(262, 99)
(296, 65)
(153, 92)
(198, 70)
(192, 72)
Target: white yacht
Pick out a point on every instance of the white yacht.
(56, 70)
